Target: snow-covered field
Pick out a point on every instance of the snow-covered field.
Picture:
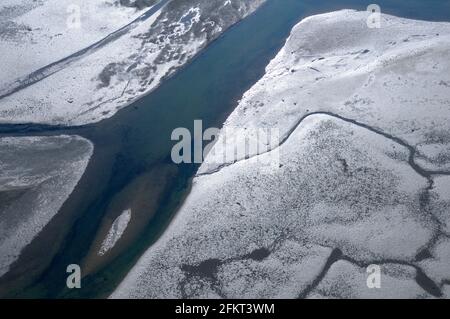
(101, 82)
(396, 78)
(37, 175)
(363, 177)
(34, 34)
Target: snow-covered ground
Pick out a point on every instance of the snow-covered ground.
(37, 175)
(36, 33)
(363, 175)
(396, 78)
(116, 231)
(95, 86)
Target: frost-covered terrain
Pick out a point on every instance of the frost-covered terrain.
(37, 175)
(116, 231)
(124, 67)
(34, 34)
(363, 177)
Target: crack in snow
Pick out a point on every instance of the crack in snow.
(425, 282)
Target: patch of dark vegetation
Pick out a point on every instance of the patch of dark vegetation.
(344, 164)
(207, 268)
(423, 255)
(107, 73)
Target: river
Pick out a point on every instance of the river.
(131, 162)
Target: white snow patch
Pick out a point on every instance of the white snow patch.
(116, 231)
(51, 37)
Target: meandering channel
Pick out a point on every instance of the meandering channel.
(412, 150)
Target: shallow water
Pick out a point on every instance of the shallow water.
(136, 140)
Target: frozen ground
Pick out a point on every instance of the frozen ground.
(396, 79)
(108, 78)
(117, 229)
(36, 33)
(363, 175)
(37, 175)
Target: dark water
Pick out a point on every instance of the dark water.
(137, 139)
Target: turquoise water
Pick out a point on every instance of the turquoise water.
(137, 139)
